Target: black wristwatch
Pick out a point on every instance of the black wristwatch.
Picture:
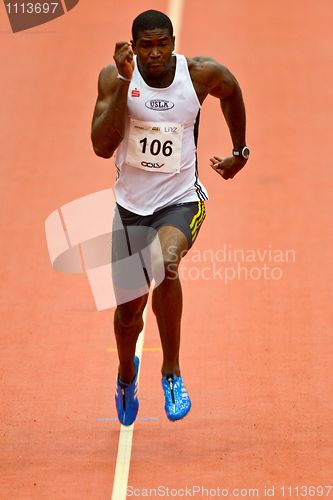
(241, 153)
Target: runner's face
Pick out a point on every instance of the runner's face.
(154, 49)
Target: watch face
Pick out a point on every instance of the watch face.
(245, 152)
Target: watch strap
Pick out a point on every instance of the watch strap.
(243, 152)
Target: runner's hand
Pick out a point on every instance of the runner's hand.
(227, 167)
(123, 57)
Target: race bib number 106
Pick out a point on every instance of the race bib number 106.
(155, 147)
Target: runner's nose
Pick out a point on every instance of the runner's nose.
(155, 53)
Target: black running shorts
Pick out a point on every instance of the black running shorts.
(187, 217)
(132, 238)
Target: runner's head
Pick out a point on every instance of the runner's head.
(153, 41)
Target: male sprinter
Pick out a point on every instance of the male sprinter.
(148, 110)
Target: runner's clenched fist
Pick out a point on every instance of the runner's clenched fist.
(123, 57)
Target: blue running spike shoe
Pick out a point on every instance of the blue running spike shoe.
(177, 401)
(127, 398)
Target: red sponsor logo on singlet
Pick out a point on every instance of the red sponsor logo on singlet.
(135, 93)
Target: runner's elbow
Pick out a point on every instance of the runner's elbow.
(102, 153)
(105, 149)
(101, 149)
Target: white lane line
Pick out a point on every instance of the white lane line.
(175, 12)
(119, 491)
(120, 483)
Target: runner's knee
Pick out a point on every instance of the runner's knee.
(171, 268)
(129, 314)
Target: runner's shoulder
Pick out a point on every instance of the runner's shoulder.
(207, 73)
(205, 65)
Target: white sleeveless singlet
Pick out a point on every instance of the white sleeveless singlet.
(156, 161)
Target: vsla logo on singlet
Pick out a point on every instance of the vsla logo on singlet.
(159, 104)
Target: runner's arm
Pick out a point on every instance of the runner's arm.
(108, 123)
(222, 84)
(227, 89)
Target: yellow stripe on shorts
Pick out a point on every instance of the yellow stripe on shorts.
(195, 217)
(198, 220)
